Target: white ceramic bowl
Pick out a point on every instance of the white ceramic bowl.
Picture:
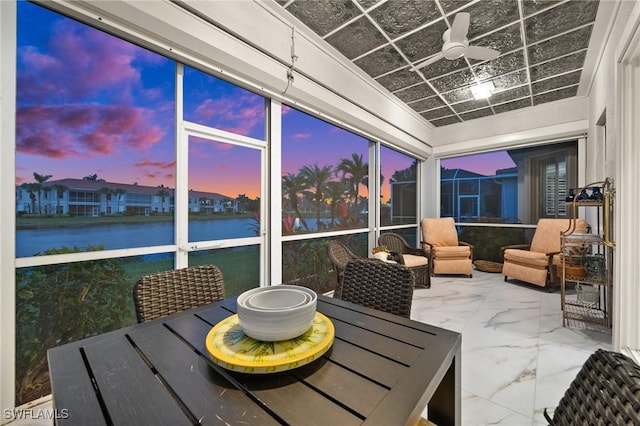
(277, 299)
(262, 319)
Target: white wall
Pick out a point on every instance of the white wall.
(618, 90)
(600, 151)
(552, 120)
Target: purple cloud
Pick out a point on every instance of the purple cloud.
(82, 130)
(79, 62)
(238, 115)
(300, 136)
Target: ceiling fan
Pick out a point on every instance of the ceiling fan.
(456, 44)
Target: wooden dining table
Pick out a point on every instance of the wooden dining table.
(381, 369)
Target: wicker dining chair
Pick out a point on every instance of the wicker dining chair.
(606, 391)
(340, 255)
(177, 290)
(411, 257)
(379, 285)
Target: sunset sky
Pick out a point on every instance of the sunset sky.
(90, 103)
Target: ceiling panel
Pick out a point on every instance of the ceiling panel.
(542, 45)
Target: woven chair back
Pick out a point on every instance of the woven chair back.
(606, 391)
(168, 292)
(340, 255)
(379, 285)
(394, 242)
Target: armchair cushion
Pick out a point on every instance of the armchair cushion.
(452, 252)
(411, 260)
(530, 258)
(454, 266)
(439, 232)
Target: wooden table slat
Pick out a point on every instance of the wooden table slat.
(298, 404)
(366, 363)
(382, 345)
(410, 392)
(117, 367)
(192, 376)
(360, 395)
(195, 333)
(74, 388)
(380, 322)
(382, 370)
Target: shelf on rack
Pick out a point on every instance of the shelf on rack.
(586, 280)
(585, 203)
(587, 315)
(583, 238)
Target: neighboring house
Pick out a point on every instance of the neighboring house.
(467, 196)
(82, 197)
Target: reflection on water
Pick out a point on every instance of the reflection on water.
(32, 241)
(119, 236)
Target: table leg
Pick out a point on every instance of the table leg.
(445, 407)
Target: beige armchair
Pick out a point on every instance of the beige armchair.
(447, 255)
(536, 263)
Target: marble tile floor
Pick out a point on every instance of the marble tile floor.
(517, 359)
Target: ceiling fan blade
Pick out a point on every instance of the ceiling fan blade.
(460, 27)
(481, 53)
(427, 61)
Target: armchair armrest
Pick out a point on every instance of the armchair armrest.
(516, 246)
(397, 257)
(550, 256)
(429, 254)
(416, 251)
(423, 244)
(463, 243)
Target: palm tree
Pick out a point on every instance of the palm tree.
(355, 171)
(93, 177)
(31, 189)
(317, 178)
(40, 179)
(119, 193)
(107, 195)
(335, 192)
(59, 191)
(292, 186)
(243, 202)
(162, 194)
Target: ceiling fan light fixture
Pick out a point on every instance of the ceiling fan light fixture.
(482, 90)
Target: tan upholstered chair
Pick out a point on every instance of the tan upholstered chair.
(536, 263)
(447, 255)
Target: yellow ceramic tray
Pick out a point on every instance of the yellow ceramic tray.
(231, 349)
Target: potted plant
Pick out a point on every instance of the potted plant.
(380, 252)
